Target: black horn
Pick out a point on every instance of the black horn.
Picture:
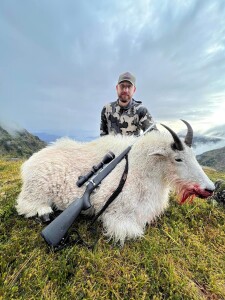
(177, 142)
(189, 136)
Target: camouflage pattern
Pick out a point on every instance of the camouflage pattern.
(128, 120)
(219, 192)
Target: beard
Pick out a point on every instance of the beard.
(124, 101)
(124, 98)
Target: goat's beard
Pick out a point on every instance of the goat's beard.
(188, 192)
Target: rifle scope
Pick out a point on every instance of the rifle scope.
(106, 159)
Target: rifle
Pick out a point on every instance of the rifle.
(57, 229)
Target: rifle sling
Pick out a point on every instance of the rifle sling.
(114, 194)
(80, 240)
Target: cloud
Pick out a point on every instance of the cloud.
(11, 127)
(201, 148)
(60, 60)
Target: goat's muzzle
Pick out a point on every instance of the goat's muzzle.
(194, 191)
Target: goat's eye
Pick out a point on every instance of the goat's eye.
(178, 159)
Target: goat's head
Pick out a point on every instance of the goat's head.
(185, 173)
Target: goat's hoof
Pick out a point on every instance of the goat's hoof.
(45, 218)
(48, 218)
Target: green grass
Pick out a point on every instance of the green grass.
(181, 256)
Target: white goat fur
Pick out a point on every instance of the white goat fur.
(50, 175)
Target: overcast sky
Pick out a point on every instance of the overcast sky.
(60, 61)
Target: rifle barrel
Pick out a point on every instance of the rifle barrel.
(99, 177)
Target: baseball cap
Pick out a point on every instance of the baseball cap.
(127, 77)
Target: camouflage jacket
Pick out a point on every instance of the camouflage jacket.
(128, 120)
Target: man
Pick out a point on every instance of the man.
(125, 116)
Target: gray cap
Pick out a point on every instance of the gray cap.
(127, 77)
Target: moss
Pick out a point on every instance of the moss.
(181, 255)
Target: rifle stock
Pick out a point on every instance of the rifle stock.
(57, 229)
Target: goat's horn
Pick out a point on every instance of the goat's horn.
(177, 141)
(189, 135)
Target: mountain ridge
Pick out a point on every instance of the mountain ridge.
(213, 158)
(20, 143)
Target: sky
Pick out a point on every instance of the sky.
(60, 61)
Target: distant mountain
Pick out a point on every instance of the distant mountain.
(206, 140)
(48, 137)
(214, 158)
(202, 144)
(203, 139)
(19, 143)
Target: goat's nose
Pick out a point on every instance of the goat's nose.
(209, 190)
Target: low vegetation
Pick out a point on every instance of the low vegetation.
(181, 256)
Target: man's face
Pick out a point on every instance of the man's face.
(125, 91)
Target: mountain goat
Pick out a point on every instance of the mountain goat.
(158, 162)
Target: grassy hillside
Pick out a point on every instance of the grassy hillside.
(181, 256)
(19, 144)
(214, 158)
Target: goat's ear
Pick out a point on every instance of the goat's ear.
(157, 153)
